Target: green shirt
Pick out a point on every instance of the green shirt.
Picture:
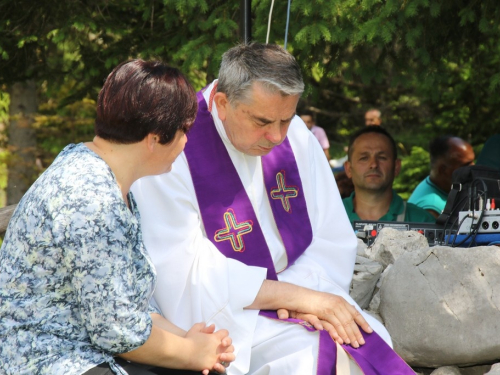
(490, 154)
(413, 213)
(428, 196)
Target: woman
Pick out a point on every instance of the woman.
(75, 279)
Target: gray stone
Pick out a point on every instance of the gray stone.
(475, 370)
(446, 370)
(495, 370)
(366, 274)
(375, 302)
(374, 315)
(391, 244)
(441, 306)
(422, 371)
(361, 249)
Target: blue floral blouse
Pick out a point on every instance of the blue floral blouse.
(75, 278)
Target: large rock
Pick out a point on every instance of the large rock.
(475, 370)
(441, 305)
(447, 370)
(469, 370)
(364, 280)
(375, 302)
(361, 249)
(495, 369)
(391, 244)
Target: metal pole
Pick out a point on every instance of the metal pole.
(245, 22)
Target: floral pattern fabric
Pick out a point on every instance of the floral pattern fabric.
(75, 278)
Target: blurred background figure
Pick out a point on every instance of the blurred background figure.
(373, 117)
(310, 119)
(344, 183)
(447, 153)
(338, 165)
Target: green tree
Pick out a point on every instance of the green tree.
(429, 65)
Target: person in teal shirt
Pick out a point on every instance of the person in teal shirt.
(372, 165)
(429, 196)
(447, 153)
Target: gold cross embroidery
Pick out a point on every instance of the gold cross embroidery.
(284, 192)
(234, 231)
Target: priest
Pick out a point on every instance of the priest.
(248, 230)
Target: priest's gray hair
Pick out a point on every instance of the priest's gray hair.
(269, 64)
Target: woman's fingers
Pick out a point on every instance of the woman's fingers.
(227, 341)
(227, 357)
(219, 368)
(207, 329)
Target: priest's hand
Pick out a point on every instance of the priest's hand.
(318, 324)
(341, 319)
(309, 318)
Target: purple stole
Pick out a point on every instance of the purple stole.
(232, 226)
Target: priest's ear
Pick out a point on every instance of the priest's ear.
(222, 103)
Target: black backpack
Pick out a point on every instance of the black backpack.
(472, 186)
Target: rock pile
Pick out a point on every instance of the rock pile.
(440, 304)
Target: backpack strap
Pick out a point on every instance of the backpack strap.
(456, 188)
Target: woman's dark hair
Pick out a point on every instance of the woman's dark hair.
(142, 97)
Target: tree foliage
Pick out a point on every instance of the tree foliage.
(431, 66)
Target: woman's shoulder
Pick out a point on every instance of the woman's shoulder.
(77, 180)
(79, 167)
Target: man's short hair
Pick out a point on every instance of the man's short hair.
(142, 97)
(372, 129)
(269, 64)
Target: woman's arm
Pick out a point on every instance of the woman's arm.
(171, 347)
(166, 325)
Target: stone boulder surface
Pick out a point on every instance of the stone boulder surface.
(391, 244)
(361, 248)
(375, 302)
(495, 369)
(441, 305)
(447, 370)
(364, 280)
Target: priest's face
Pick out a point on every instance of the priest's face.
(258, 123)
(372, 165)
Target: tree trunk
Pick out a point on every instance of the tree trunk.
(22, 140)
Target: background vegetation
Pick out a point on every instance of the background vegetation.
(431, 66)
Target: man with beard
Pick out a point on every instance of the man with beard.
(373, 164)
